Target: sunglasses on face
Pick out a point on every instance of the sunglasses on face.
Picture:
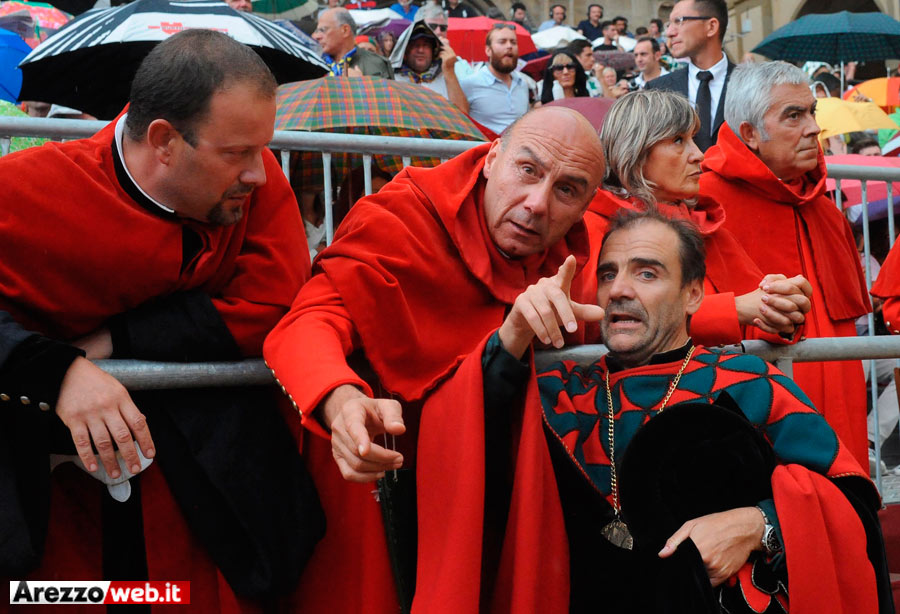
(562, 67)
(438, 27)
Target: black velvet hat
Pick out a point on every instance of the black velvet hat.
(691, 460)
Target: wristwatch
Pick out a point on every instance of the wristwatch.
(770, 542)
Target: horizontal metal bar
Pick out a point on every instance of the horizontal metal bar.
(284, 139)
(144, 375)
(868, 173)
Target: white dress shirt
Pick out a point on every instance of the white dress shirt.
(719, 71)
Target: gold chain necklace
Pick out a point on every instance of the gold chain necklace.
(616, 531)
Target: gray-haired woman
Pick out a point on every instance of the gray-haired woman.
(653, 162)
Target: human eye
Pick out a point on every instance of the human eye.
(647, 274)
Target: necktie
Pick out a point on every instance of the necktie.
(704, 110)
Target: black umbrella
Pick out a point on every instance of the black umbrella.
(90, 62)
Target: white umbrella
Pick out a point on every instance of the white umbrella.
(554, 37)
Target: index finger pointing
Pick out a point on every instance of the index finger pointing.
(677, 537)
(566, 273)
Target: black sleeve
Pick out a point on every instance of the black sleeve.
(184, 326)
(504, 380)
(32, 367)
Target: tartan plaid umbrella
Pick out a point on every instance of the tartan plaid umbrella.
(834, 38)
(367, 105)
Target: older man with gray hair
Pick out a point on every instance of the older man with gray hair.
(336, 32)
(768, 171)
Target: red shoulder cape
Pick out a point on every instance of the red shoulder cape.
(420, 276)
(766, 214)
(82, 250)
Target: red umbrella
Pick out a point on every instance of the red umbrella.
(535, 68)
(467, 36)
(852, 188)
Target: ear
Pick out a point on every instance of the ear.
(694, 295)
(712, 28)
(750, 135)
(491, 158)
(163, 139)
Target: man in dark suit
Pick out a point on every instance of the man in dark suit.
(696, 31)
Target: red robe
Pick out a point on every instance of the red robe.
(887, 287)
(795, 229)
(414, 280)
(77, 250)
(729, 270)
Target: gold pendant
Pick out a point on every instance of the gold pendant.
(617, 533)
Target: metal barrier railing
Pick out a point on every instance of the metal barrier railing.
(284, 140)
(143, 375)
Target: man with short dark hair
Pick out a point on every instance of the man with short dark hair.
(768, 171)
(497, 92)
(622, 26)
(663, 477)
(336, 33)
(646, 58)
(557, 17)
(590, 27)
(582, 51)
(180, 241)
(521, 17)
(696, 32)
(656, 30)
(458, 8)
(610, 36)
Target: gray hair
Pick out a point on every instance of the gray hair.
(634, 124)
(749, 93)
(343, 17)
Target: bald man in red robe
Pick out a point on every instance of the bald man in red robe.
(172, 234)
(768, 172)
(417, 276)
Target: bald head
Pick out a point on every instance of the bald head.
(541, 176)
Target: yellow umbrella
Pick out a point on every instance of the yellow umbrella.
(836, 116)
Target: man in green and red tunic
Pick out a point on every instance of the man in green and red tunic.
(815, 524)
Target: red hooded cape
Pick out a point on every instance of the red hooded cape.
(729, 270)
(77, 250)
(414, 280)
(795, 229)
(887, 286)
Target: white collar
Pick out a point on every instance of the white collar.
(120, 135)
(718, 70)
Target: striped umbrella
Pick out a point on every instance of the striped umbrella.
(884, 91)
(835, 38)
(90, 62)
(367, 105)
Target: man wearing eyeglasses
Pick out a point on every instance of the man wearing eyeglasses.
(498, 95)
(696, 31)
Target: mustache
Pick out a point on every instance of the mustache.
(629, 307)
